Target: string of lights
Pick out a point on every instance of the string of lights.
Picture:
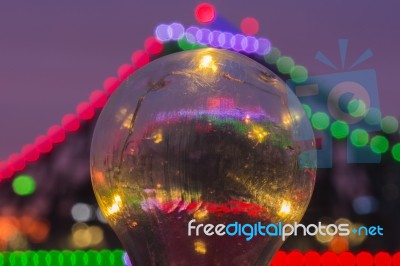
(193, 38)
(119, 258)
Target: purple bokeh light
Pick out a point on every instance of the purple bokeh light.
(218, 39)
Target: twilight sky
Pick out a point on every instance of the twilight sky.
(54, 53)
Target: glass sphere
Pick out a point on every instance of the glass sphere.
(209, 135)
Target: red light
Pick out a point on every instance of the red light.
(70, 122)
(346, 259)
(153, 46)
(98, 99)
(205, 13)
(364, 259)
(329, 259)
(383, 259)
(124, 71)
(6, 170)
(140, 58)
(30, 153)
(17, 161)
(396, 259)
(249, 26)
(279, 259)
(56, 134)
(111, 84)
(295, 258)
(312, 258)
(85, 111)
(43, 144)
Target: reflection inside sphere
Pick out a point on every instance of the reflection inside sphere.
(209, 135)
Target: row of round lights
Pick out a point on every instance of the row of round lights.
(329, 258)
(84, 111)
(65, 257)
(193, 38)
(215, 38)
(359, 137)
(119, 257)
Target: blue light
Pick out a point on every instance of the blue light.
(163, 32)
(203, 36)
(177, 31)
(264, 46)
(191, 33)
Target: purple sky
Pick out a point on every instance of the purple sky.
(54, 53)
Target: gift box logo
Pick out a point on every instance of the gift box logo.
(331, 94)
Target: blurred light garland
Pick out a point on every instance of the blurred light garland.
(191, 38)
(119, 258)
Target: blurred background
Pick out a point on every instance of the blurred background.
(53, 55)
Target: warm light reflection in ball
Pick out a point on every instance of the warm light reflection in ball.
(209, 135)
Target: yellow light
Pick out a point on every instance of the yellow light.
(157, 137)
(258, 133)
(200, 215)
(200, 247)
(324, 239)
(115, 206)
(285, 208)
(207, 62)
(127, 121)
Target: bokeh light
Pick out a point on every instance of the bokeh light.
(373, 116)
(299, 74)
(43, 144)
(81, 212)
(205, 13)
(357, 108)
(383, 259)
(85, 111)
(140, 58)
(396, 152)
(123, 72)
(339, 129)
(30, 152)
(110, 84)
(56, 134)
(320, 121)
(389, 124)
(273, 56)
(379, 144)
(70, 122)
(98, 98)
(359, 137)
(249, 26)
(364, 258)
(153, 46)
(24, 185)
(285, 64)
